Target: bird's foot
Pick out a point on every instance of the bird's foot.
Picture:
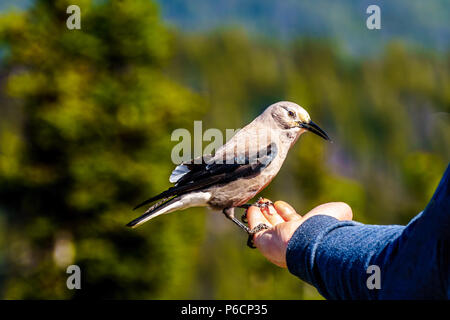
(250, 242)
(244, 217)
(258, 228)
(251, 233)
(263, 203)
(229, 213)
(245, 206)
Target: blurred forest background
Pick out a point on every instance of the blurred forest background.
(86, 118)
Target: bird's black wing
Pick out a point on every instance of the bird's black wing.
(205, 174)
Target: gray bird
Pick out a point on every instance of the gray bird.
(238, 170)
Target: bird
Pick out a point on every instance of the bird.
(238, 170)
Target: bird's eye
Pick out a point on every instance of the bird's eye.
(291, 114)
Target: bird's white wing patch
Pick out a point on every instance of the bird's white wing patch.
(179, 171)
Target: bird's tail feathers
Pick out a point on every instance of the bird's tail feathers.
(159, 208)
(193, 199)
(157, 197)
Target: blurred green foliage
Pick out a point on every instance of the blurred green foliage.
(89, 140)
(86, 118)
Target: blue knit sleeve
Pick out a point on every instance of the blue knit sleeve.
(413, 260)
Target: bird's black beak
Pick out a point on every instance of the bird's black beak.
(314, 128)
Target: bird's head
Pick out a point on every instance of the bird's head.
(293, 118)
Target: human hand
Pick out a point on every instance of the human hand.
(283, 220)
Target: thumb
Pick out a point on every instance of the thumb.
(338, 210)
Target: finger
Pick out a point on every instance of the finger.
(272, 215)
(286, 211)
(255, 217)
(338, 210)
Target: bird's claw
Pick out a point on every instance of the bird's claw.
(251, 233)
(250, 242)
(263, 203)
(244, 217)
(258, 228)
